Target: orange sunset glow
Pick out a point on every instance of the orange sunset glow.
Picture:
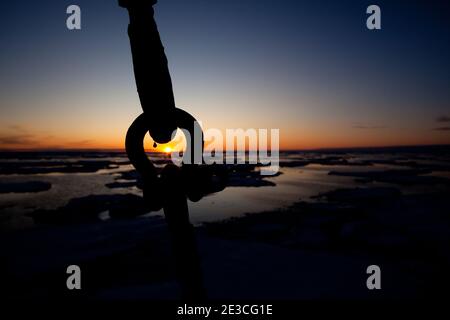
(80, 93)
(86, 137)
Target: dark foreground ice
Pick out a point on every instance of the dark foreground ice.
(308, 233)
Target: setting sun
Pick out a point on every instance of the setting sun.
(168, 149)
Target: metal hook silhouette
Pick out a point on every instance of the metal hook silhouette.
(171, 189)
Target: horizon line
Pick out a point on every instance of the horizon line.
(5, 150)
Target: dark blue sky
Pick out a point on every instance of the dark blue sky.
(310, 68)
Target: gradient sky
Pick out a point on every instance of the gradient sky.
(309, 68)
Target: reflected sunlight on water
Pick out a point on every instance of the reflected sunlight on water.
(297, 182)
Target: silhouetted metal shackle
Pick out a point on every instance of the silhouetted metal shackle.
(161, 118)
(195, 180)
